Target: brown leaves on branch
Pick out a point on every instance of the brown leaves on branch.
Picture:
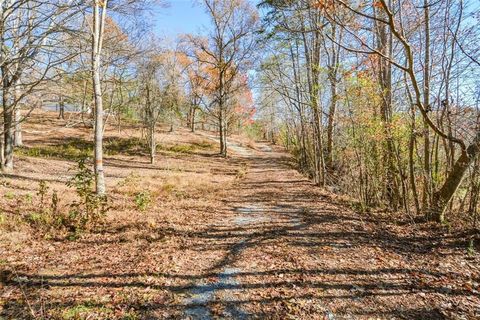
(323, 5)
(378, 4)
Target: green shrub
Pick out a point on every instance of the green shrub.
(42, 192)
(86, 310)
(204, 145)
(91, 208)
(9, 195)
(80, 215)
(130, 146)
(143, 200)
(29, 198)
(240, 173)
(39, 219)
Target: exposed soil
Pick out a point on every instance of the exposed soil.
(238, 238)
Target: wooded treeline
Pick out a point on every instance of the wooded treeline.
(378, 99)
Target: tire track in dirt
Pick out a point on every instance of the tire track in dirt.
(248, 213)
(202, 294)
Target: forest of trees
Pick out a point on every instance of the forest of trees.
(377, 99)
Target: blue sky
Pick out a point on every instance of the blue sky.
(181, 16)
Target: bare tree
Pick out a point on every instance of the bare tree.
(30, 33)
(98, 28)
(150, 97)
(159, 91)
(227, 52)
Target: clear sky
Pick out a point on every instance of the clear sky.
(181, 16)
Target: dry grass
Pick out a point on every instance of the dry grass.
(183, 187)
(186, 169)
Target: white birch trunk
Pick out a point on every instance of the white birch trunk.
(98, 27)
(18, 139)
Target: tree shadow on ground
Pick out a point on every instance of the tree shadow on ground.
(294, 225)
(234, 241)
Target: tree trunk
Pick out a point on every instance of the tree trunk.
(427, 181)
(222, 131)
(225, 148)
(8, 125)
(61, 105)
(312, 57)
(318, 146)
(442, 197)
(153, 144)
(474, 193)
(97, 88)
(192, 119)
(2, 152)
(331, 122)
(385, 81)
(18, 140)
(333, 75)
(411, 159)
(411, 169)
(222, 115)
(119, 122)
